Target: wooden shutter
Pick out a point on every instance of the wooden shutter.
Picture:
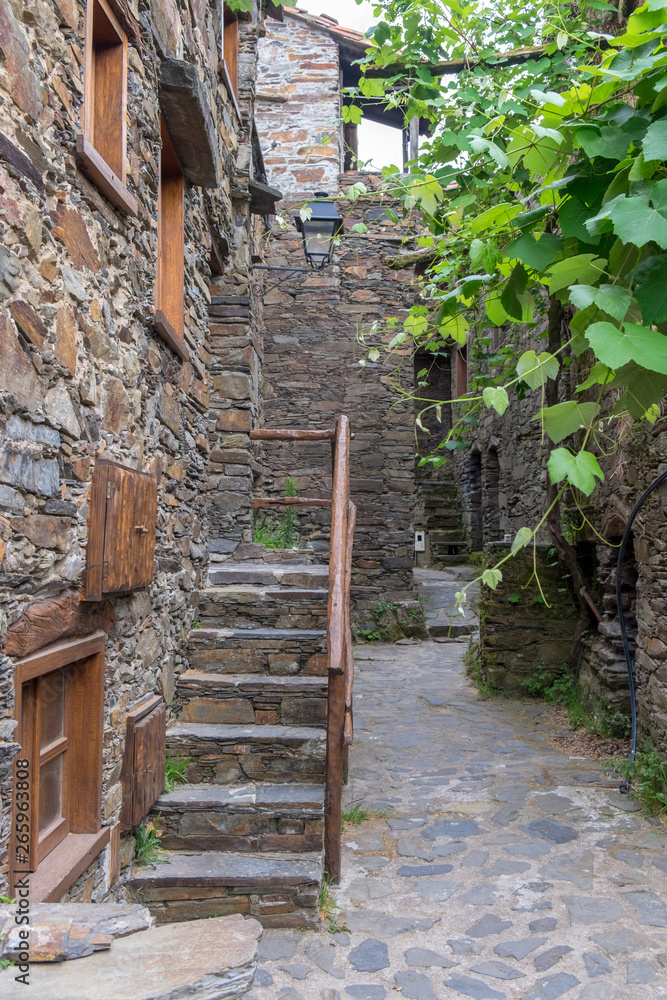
(144, 760)
(121, 530)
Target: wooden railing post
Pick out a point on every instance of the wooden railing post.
(338, 618)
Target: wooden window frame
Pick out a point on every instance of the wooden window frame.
(230, 62)
(169, 321)
(109, 178)
(56, 864)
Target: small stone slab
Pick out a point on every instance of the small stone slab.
(547, 959)
(465, 946)
(198, 959)
(424, 958)
(552, 987)
(362, 890)
(591, 910)
(595, 991)
(519, 949)
(415, 985)
(452, 828)
(452, 847)
(549, 829)
(323, 954)
(418, 871)
(651, 911)
(576, 867)
(504, 867)
(438, 891)
(475, 859)
(366, 992)
(407, 822)
(480, 895)
(633, 858)
(489, 924)
(497, 970)
(406, 848)
(296, 970)
(263, 978)
(543, 924)
(553, 804)
(623, 942)
(475, 988)
(369, 956)
(641, 971)
(505, 815)
(596, 964)
(534, 850)
(276, 945)
(385, 925)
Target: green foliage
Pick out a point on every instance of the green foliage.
(175, 768)
(371, 635)
(647, 775)
(279, 532)
(354, 815)
(328, 908)
(147, 849)
(541, 179)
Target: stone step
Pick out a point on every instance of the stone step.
(241, 818)
(258, 651)
(302, 575)
(279, 890)
(273, 606)
(224, 754)
(239, 699)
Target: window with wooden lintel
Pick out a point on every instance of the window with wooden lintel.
(169, 278)
(59, 704)
(230, 53)
(102, 147)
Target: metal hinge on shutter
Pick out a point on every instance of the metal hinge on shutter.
(109, 490)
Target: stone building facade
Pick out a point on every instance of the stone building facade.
(90, 371)
(312, 327)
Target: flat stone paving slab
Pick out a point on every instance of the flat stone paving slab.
(201, 960)
(555, 888)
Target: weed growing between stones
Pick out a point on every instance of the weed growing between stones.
(353, 816)
(282, 532)
(647, 774)
(147, 850)
(473, 670)
(328, 908)
(563, 690)
(174, 772)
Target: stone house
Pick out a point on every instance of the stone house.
(131, 195)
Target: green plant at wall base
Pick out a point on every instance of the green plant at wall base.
(328, 908)
(354, 815)
(647, 775)
(473, 670)
(370, 635)
(175, 768)
(542, 188)
(279, 532)
(147, 849)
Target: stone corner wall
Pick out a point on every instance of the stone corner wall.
(519, 633)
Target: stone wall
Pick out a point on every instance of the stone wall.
(298, 105)
(83, 375)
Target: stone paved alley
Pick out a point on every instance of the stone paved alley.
(495, 866)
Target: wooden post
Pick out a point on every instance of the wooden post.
(336, 651)
(414, 138)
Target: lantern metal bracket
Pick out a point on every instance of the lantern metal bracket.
(286, 274)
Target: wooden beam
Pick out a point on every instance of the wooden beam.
(289, 502)
(56, 618)
(290, 434)
(189, 121)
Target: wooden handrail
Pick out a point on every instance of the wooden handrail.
(349, 651)
(290, 502)
(338, 658)
(291, 434)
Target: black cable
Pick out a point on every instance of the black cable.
(625, 787)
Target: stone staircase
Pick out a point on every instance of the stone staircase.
(444, 521)
(245, 836)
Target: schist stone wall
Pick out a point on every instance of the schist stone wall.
(311, 374)
(298, 104)
(503, 484)
(83, 375)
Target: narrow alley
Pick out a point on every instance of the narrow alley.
(491, 864)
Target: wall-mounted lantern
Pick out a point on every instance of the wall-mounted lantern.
(319, 232)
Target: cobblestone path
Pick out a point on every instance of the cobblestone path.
(499, 868)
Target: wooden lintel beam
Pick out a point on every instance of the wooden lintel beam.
(291, 434)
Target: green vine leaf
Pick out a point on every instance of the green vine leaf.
(634, 221)
(583, 268)
(535, 370)
(654, 146)
(651, 289)
(492, 577)
(537, 254)
(612, 299)
(566, 418)
(496, 398)
(579, 470)
(521, 539)
(617, 347)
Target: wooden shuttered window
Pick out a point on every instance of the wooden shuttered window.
(144, 760)
(230, 54)
(121, 530)
(59, 705)
(170, 274)
(102, 147)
